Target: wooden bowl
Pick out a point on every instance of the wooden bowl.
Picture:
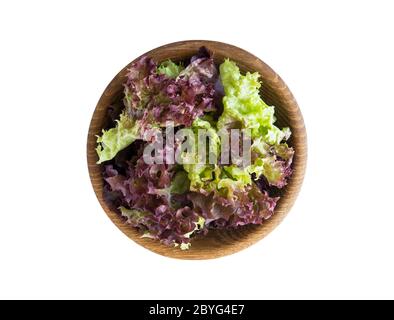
(274, 91)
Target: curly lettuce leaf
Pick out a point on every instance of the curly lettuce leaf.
(133, 216)
(234, 178)
(153, 96)
(199, 225)
(200, 68)
(146, 221)
(206, 177)
(249, 206)
(113, 140)
(167, 93)
(272, 162)
(139, 192)
(202, 172)
(214, 139)
(243, 106)
(180, 183)
(170, 69)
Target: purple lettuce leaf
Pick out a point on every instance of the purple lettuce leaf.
(271, 163)
(157, 98)
(249, 206)
(143, 194)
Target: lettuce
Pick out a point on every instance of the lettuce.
(201, 172)
(165, 93)
(272, 162)
(173, 203)
(234, 178)
(133, 216)
(143, 193)
(152, 96)
(243, 106)
(199, 225)
(180, 183)
(113, 140)
(248, 206)
(169, 68)
(138, 218)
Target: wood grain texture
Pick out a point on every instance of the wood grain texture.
(274, 91)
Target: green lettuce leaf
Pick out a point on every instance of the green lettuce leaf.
(134, 216)
(199, 226)
(273, 162)
(200, 172)
(180, 183)
(113, 140)
(170, 69)
(206, 177)
(233, 179)
(243, 106)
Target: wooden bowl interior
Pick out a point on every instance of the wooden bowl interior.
(274, 91)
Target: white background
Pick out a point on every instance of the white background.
(56, 59)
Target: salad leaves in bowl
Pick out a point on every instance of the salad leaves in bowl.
(196, 150)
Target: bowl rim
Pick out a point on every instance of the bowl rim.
(247, 235)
